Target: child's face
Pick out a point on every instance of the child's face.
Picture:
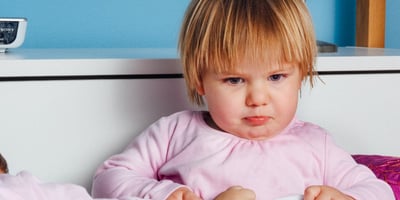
(253, 102)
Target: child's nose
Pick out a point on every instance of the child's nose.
(257, 96)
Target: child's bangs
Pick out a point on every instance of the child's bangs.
(259, 50)
(260, 35)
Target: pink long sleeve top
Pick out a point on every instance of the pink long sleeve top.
(181, 150)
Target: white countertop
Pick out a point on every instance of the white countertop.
(72, 62)
(110, 61)
(88, 53)
(359, 59)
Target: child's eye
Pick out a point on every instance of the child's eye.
(233, 80)
(275, 77)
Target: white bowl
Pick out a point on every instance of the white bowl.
(292, 197)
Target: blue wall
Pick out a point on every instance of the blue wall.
(392, 39)
(98, 23)
(334, 20)
(155, 23)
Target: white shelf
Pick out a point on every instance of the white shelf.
(359, 59)
(72, 62)
(69, 62)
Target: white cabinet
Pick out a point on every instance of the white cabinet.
(62, 112)
(357, 99)
(362, 112)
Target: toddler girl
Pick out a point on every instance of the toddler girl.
(246, 61)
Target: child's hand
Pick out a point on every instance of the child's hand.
(236, 193)
(183, 194)
(324, 192)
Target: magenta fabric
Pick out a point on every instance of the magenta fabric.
(386, 168)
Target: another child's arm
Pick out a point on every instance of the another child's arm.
(26, 186)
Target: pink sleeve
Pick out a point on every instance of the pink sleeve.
(351, 178)
(133, 173)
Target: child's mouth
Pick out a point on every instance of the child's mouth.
(257, 120)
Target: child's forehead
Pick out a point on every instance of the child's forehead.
(264, 66)
(268, 56)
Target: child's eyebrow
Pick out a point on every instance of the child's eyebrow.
(282, 69)
(268, 70)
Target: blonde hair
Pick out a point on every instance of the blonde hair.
(217, 34)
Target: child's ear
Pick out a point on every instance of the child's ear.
(200, 89)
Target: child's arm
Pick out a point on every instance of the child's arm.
(26, 186)
(134, 172)
(343, 174)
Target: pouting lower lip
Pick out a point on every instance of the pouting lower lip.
(257, 120)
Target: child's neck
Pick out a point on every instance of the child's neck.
(210, 122)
